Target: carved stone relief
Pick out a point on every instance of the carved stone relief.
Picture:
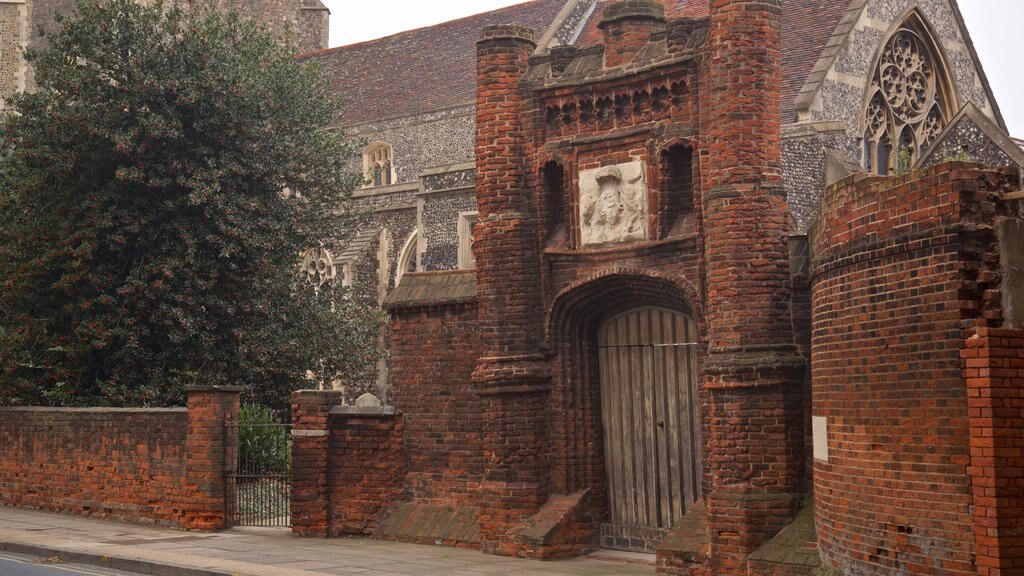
(613, 204)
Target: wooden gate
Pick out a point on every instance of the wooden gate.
(651, 429)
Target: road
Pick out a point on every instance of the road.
(20, 565)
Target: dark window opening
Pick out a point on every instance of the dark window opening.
(553, 176)
(677, 187)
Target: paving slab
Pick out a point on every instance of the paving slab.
(247, 552)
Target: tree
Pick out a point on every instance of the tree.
(156, 191)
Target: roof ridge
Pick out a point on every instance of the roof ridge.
(416, 30)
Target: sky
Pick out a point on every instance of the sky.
(993, 25)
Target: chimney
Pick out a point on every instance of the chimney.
(628, 26)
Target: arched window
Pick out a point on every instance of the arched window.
(377, 165)
(909, 101)
(408, 259)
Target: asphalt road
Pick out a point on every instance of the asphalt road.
(20, 565)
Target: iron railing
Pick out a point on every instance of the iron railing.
(259, 485)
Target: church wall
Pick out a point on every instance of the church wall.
(896, 273)
(13, 31)
(421, 142)
(440, 229)
(803, 161)
(967, 142)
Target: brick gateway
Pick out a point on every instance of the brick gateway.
(646, 174)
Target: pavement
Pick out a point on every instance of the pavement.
(271, 552)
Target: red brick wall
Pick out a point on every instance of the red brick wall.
(898, 266)
(438, 348)
(150, 466)
(994, 374)
(367, 475)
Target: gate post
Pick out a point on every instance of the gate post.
(310, 505)
(207, 447)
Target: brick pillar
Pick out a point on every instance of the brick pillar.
(210, 447)
(993, 367)
(753, 370)
(310, 501)
(511, 377)
(627, 27)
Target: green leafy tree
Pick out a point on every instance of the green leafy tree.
(156, 190)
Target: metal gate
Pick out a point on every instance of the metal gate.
(651, 432)
(259, 484)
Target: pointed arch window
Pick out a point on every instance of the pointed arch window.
(408, 259)
(909, 100)
(378, 168)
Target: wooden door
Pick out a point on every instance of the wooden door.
(651, 430)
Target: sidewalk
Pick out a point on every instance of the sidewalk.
(253, 552)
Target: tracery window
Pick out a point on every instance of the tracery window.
(909, 100)
(377, 165)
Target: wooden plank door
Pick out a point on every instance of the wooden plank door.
(651, 432)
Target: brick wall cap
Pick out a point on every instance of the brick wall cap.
(363, 411)
(513, 32)
(314, 395)
(632, 10)
(92, 410)
(227, 389)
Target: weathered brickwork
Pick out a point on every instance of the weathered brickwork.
(993, 370)
(367, 468)
(899, 266)
(149, 466)
(438, 347)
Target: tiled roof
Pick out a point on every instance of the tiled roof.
(433, 288)
(806, 27)
(434, 68)
(420, 70)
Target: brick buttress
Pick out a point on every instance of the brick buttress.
(511, 377)
(753, 371)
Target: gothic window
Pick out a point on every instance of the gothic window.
(377, 165)
(318, 266)
(408, 259)
(909, 100)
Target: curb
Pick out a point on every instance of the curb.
(113, 562)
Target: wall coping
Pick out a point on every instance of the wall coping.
(95, 409)
(229, 389)
(363, 411)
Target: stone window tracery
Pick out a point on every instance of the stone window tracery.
(318, 266)
(378, 168)
(909, 99)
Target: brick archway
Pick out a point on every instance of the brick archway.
(572, 330)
